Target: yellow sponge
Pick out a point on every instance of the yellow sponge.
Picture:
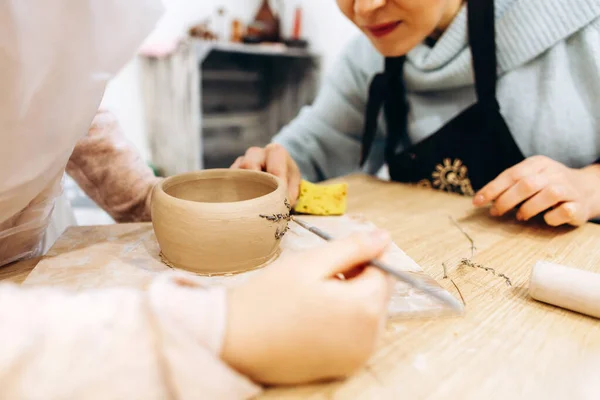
(322, 199)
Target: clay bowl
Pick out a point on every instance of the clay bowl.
(214, 222)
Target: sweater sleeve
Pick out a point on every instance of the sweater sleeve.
(325, 138)
(116, 343)
(593, 38)
(111, 172)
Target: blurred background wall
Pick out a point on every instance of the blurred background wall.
(325, 28)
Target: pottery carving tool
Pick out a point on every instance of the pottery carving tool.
(434, 291)
(568, 288)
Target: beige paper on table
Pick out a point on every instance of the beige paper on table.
(132, 258)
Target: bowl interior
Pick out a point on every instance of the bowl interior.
(221, 188)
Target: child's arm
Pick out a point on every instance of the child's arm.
(117, 343)
(111, 172)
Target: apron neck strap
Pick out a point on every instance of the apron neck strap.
(386, 89)
(396, 100)
(394, 67)
(482, 39)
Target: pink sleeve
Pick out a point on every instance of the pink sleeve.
(186, 316)
(116, 344)
(111, 171)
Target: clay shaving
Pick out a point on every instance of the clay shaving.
(280, 233)
(445, 271)
(455, 285)
(473, 248)
(164, 260)
(276, 217)
(459, 293)
(468, 261)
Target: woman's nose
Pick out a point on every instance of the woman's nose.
(364, 8)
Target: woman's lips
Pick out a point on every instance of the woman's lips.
(383, 29)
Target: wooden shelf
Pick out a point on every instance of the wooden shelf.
(217, 120)
(204, 47)
(231, 75)
(211, 101)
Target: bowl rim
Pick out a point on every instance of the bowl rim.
(190, 176)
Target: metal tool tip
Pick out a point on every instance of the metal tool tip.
(452, 302)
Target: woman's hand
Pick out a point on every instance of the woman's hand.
(297, 323)
(275, 160)
(542, 185)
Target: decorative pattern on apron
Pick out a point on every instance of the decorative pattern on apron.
(470, 150)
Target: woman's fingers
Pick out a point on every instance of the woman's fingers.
(548, 197)
(280, 163)
(277, 164)
(236, 164)
(567, 213)
(254, 159)
(294, 179)
(539, 184)
(275, 160)
(490, 192)
(518, 193)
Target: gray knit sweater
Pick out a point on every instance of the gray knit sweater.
(548, 89)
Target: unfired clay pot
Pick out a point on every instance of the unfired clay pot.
(220, 221)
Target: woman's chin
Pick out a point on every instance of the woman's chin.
(397, 44)
(388, 47)
(391, 49)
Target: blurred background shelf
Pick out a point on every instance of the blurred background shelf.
(209, 101)
(205, 47)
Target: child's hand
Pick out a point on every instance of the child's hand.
(297, 323)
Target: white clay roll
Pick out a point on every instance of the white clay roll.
(565, 287)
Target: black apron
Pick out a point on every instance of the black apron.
(470, 150)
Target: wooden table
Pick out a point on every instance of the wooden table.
(507, 346)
